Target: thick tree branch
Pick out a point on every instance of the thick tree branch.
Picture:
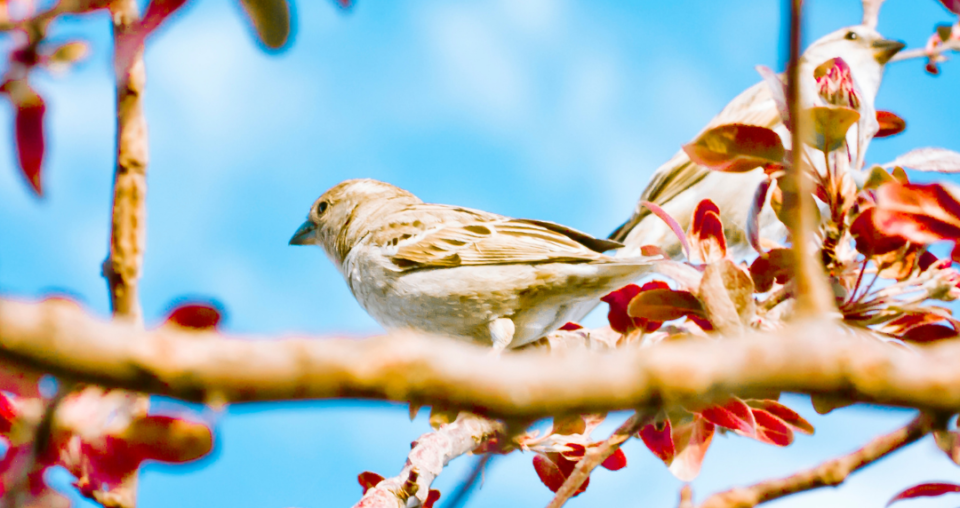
(595, 455)
(829, 473)
(430, 453)
(818, 358)
(129, 219)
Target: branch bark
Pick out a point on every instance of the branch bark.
(829, 473)
(818, 358)
(953, 45)
(427, 459)
(129, 220)
(595, 455)
(814, 297)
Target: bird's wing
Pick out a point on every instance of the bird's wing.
(436, 236)
(754, 106)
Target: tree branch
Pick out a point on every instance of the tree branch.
(817, 358)
(595, 455)
(814, 297)
(431, 452)
(830, 473)
(951, 45)
(128, 225)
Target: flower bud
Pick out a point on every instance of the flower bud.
(835, 83)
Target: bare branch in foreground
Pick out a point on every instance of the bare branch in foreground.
(809, 357)
(595, 455)
(830, 473)
(426, 460)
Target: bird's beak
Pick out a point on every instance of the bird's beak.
(884, 49)
(304, 234)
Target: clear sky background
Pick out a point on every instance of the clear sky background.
(549, 109)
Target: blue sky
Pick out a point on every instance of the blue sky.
(550, 109)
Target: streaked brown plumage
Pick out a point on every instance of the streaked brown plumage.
(459, 272)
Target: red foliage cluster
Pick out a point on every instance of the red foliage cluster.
(101, 437)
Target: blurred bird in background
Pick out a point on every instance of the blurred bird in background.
(458, 272)
(679, 184)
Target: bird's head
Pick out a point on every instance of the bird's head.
(344, 214)
(861, 47)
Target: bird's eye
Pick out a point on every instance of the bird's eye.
(851, 36)
(321, 207)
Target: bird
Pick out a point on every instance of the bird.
(458, 272)
(680, 184)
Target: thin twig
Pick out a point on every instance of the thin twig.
(951, 45)
(595, 455)
(129, 218)
(463, 491)
(830, 473)
(686, 497)
(427, 458)
(814, 297)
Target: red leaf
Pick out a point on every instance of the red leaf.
(735, 415)
(784, 413)
(619, 301)
(736, 148)
(703, 323)
(753, 216)
(571, 326)
(131, 40)
(870, 240)
(659, 440)
(774, 266)
(926, 333)
(615, 462)
(30, 142)
(652, 251)
(344, 4)
(927, 259)
(432, 497)
(665, 305)
(952, 5)
(771, 429)
(8, 413)
(890, 124)
(925, 490)
(368, 480)
(706, 232)
(672, 223)
(574, 453)
(553, 474)
(197, 316)
(917, 212)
